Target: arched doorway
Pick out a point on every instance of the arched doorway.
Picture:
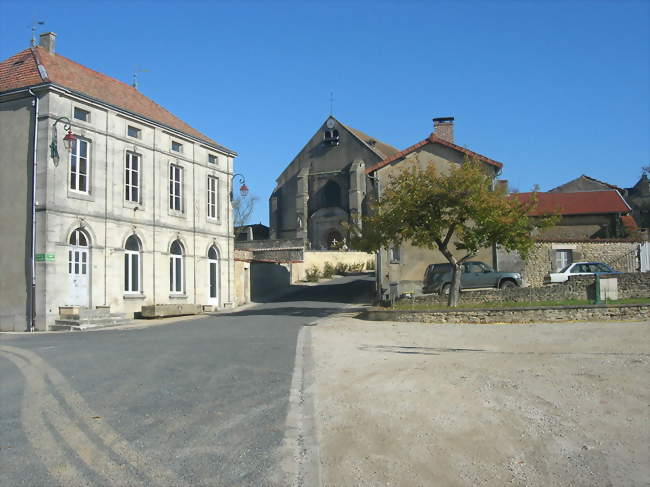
(79, 268)
(213, 269)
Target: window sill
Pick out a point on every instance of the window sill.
(134, 296)
(80, 196)
(176, 213)
(177, 296)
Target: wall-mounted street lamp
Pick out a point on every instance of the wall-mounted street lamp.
(243, 189)
(68, 138)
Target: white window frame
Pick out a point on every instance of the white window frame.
(76, 176)
(129, 257)
(180, 147)
(175, 187)
(177, 265)
(563, 257)
(213, 159)
(129, 173)
(213, 197)
(394, 254)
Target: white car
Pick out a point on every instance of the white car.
(581, 269)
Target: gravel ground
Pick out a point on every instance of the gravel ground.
(445, 405)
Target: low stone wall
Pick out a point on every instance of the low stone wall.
(544, 314)
(630, 286)
(319, 257)
(269, 244)
(279, 255)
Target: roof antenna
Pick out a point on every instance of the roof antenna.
(135, 76)
(331, 102)
(34, 24)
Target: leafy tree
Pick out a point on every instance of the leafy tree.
(457, 213)
(242, 209)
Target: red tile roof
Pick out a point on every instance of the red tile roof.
(580, 203)
(433, 139)
(22, 70)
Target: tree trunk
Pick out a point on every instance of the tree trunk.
(454, 292)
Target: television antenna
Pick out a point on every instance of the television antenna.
(35, 25)
(135, 76)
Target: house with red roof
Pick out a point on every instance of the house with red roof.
(135, 213)
(594, 225)
(406, 264)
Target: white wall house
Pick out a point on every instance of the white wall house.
(136, 213)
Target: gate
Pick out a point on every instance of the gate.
(644, 257)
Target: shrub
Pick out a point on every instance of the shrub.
(312, 274)
(370, 265)
(328, 270)
(357, 267)
(341, 268)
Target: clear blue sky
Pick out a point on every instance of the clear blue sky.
(551, 89)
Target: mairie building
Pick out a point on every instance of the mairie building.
(136, 212)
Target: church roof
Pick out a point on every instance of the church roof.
(380, 148)
(36, 66)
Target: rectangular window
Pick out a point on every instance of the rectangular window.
(134, 132)
(175, 187)
(213, 197)
(131, 272)
(176, 274)
(79, 165)
(177, 146)
(212, 159)
(562, 259)
(132, 177)
(81, 114)
(393, 254)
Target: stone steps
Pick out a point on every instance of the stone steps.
(86, 319)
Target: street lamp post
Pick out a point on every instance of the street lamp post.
(243, 189)
(68, 138)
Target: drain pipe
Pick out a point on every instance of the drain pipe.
(32, 301)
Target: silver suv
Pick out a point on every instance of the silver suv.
(437, 277)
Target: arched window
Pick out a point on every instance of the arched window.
(331, 194)
(78, 257)
(213, 264)
(132, 265)
(176, 268)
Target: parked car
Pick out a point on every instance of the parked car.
(437, 277)
(581, 269)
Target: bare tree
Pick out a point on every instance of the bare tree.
(242, 209)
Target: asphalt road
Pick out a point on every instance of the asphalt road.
(194, 402)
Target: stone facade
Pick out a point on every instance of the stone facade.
(324, 186)
(515, 315)
(96, 209)
(622, 255)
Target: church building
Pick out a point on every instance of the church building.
(325, 185)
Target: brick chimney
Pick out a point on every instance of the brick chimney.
(48, 42)
(444, 128)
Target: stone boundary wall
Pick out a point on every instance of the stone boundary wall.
(319, 257)
(630, 285)
(514, 315)
(269, 244)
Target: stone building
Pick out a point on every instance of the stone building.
(594, 225)
(406, 264)
(135, 213)
(325, 185)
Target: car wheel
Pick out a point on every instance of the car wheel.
(445, 289)
(507, 284)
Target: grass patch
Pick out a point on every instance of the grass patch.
(408, 305)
